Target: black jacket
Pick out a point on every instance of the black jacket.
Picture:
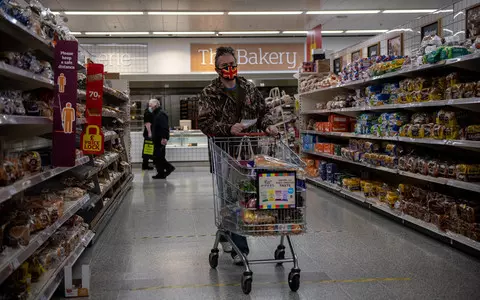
(160, 128)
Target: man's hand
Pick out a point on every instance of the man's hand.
(164, 142)
(272, 130)
(237, 129)
(150, 135)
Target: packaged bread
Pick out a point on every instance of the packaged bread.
(414, 131)
(426, 130)
(452, 132)
(435, 93)
(438, 132)
(452, 79)
(472, 132)
(422, 166)
(31, 162)
(469, 90)
(466, 172)
(447, 118)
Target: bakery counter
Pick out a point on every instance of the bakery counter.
(184, 146)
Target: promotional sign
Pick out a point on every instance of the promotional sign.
(276, 190)
(250, 57)
(65, 103)
(314, 41)
(92, 137)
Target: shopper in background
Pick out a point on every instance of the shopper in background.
(224, 103)
(160, 136)
(147, 135)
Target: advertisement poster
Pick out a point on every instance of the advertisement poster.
(65, 103)
(314, 41)
(92, 137)
(276, 190)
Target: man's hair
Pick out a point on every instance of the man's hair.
(155, 102)
(222, 51)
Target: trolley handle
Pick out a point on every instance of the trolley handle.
(251, 134)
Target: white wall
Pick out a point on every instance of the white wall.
(172, 55)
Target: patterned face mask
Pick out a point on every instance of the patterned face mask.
(229, 72)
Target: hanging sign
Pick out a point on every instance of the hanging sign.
(65, 103)
(314, 41)
(276, 190)
(92, 140)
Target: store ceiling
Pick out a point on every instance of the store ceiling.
(173, 23)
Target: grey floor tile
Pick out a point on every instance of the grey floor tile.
(156, 247)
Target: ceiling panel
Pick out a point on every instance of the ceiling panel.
(236, 23)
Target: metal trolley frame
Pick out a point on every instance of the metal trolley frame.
(231, 160)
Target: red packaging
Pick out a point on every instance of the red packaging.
(338, 127)
(318, 147)
(329, 148)
(333, 118)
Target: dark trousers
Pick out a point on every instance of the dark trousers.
(238, 240)
(161, 163)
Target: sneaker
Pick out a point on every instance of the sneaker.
(227, 248)
(237, 260)
(158, 176)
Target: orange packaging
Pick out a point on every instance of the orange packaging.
(333, 118)
(310, 162)
(330, 149)
(318, 147)
(317, 163)
(339, 127)
(327, 127)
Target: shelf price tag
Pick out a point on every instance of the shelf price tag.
(65, 104)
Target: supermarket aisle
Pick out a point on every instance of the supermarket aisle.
(157, 245)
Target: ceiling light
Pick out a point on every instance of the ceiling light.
(443, 11)
(342, 12)
(75, 32)
(408, 11)
(248, 32)
(295, 32)
(186, 13)
(252, 13)
(332, 31)
(367, 31)
(56, 12)
(184, 32)
(117, 33)
(104, 13)
(447, 30)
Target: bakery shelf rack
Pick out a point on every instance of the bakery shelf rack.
(425, 141)
(8, 191)
(49, 282)
(358, 198)
(13, 77)
(469, 186)
(12, 258)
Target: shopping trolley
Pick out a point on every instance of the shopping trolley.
(254, 195)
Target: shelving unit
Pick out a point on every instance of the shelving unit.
(26, 133)
(458, 151)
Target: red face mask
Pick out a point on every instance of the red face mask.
(229, 73)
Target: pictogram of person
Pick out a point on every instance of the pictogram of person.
(61, 81)
(68, 116)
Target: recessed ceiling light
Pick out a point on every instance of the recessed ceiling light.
(184, 32)
(252, 13)
(117, 33)
(186, 13)
(367, 31)
(248, 32)
(342, 12)
(103, 13)
(408, 11)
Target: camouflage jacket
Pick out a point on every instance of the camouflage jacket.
(218, 112)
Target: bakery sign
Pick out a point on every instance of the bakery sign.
(250, 57)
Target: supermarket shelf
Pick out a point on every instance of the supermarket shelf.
(448, 237)
(465, 103)
(13, 77)
(110, 135)
(81, 94)
(8, 191)
(111, 94)
(24, 120)
(12, 258)
(469, 186)
(109, 209)
(15, 29)
(50, 281)
(470, 61)
(286, 121)
(95, 198)
(85, 172)
(427, 141)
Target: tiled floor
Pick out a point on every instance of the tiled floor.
(157, 245)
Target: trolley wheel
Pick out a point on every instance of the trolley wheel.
(213, 259)
(246, 282)
(280, 253)
(294, 281)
